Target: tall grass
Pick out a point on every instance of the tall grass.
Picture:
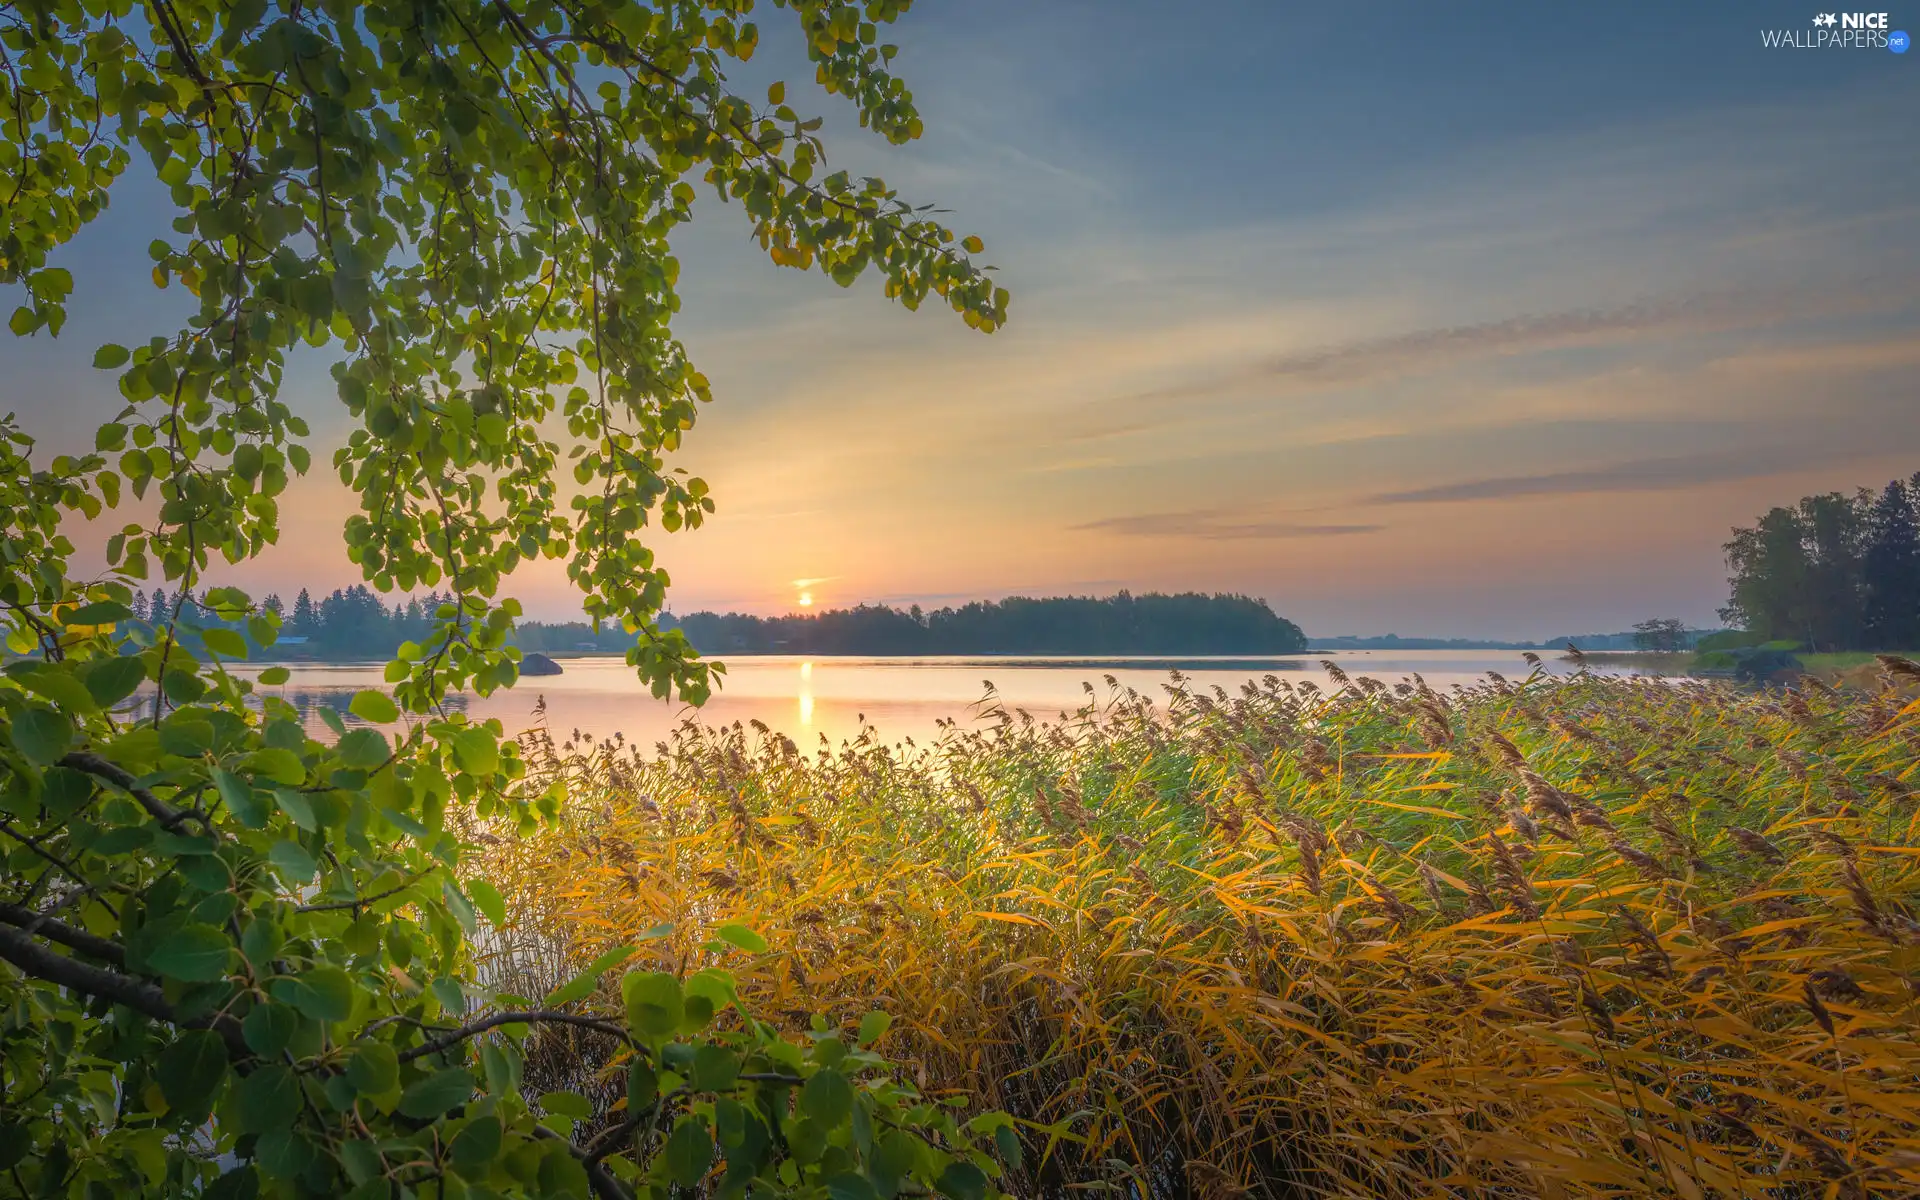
(1592, 937)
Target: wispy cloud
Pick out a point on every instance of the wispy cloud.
(1640, 475)
(1421, 352)
(1216, 525)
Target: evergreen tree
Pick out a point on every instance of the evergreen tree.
(303, 624)
(273, 604)
(1891, 571)
(157, 611)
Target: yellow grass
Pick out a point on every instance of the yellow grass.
(1605, 937)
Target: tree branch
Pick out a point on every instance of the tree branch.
(511, 1018)
(363, 901)
(142, 997)
(43, 925)
(168, 816)
(599, 1178)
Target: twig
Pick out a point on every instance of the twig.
(168, 816)
(511, 1018)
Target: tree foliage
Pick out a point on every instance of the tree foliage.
(238, 957)
(1835, 572)
(1661, 635)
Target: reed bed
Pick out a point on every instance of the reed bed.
(1586, 937)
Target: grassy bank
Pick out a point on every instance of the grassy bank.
(1851, 659)
(1651, 661)
(1598, 938)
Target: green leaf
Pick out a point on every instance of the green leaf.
(717, 988)
(274, 676)
(476, 751)
(375, 708)
(193, 953)
(364, 749)
(742, 937)
(448, 992)
(56, 684)
(297, 806)
(324, 993)
(241, 1183)
(488, 900)
(430, 1097)
(1008, 1143)
(266, 1100)
(567, 1104)
(582, 985)
(893, 1160)
(476, 1144)
(16, 1141)
(269, 1027)
(715, 1068)
(110, 356)
(276, 765)
(41, 734)
(111, 680)
(331, 719)
(248, 806)
(100, 612)
(689, 1151)
(643, 1085)
(653, 1002)
(374, 1068)
(849, 1186)
(284, 1153)
(458, 906)
(183, 687)
(191, 1070)
(872, 1026)
(962, 1181)
(224, 642)
(293, 861)
(827, 1097)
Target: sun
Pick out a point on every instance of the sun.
(806, 599)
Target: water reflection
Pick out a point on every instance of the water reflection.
(307, 699)
(816, 697)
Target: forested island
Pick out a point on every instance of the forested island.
(1151, 623)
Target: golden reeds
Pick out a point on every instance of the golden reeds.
(1294, 943)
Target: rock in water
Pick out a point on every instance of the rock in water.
(538, 664)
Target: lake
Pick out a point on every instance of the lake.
(829, 697)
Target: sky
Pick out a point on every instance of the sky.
(1484, 320)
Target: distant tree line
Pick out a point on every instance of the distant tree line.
(1835, 572)
(355, 623)
(1188, 623)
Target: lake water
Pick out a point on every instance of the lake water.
(811, 698)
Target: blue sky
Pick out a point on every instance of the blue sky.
(1484, 319)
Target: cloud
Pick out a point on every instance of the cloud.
(1423, 350)
(1641, 475)
(1216, 525)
